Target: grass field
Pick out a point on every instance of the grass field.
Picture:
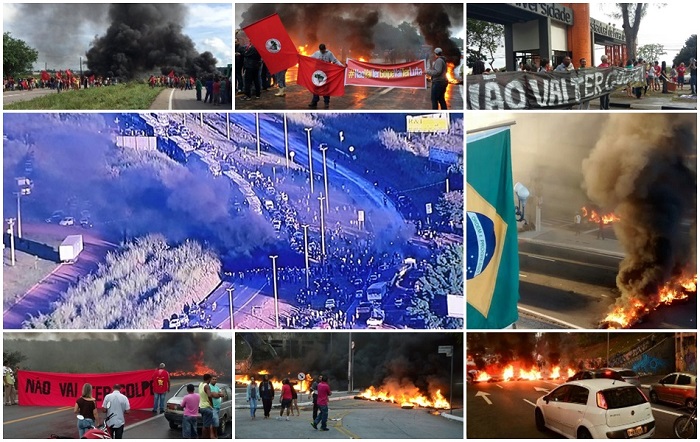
(125, 96)
(28, 270)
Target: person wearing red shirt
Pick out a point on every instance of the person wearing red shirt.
(161, 385)
(286, 398)
(604, 99)
(324, 390)
(681, 75)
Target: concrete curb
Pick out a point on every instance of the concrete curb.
(447, 415)
(276, 403)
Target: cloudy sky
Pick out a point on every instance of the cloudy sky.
(62, 37)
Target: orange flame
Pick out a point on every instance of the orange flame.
(595, 217)
(300, 386)
(406, 397)
(199, 370)
(532, 375)
(303, 50)
(483, 377)
(508, 373)
(623, 316)
(451, 73)
(556, 372)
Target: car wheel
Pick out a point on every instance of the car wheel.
(539, 420)
(653, 397)
(223, 420)
(173, 425)
(583, 433)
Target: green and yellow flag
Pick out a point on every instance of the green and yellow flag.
(492, 234)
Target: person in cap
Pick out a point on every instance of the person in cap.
(160, 382)
(327, 56)
(438, 78)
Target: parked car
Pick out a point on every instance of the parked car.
(677, 388)
(596, 408)
(67, 221)
(330, 303)
(630, 376)
(173, 410)
(375, 321)
(603, 373)
(55, 217)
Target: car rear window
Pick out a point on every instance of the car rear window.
(622, 397)
(627, 373)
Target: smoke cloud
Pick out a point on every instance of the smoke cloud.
(142, 38)
(362, 29)
(76, 166)
(643, 169)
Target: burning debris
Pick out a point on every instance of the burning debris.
(516, 372)
(643, 168)
(302, 386)
(592, 216)
(406, 396)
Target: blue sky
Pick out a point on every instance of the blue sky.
(209, 25)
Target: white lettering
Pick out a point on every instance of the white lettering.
(541, 99)
(576, 82)
(588, 90)
(555, 93)
(474, 96)
(598, 83)
(492, 96)
(515, 87)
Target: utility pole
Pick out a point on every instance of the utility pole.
(311, 164)
(230, 304)
(11, 231)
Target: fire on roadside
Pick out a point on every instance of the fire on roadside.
(199, 369)
(300, 386)
(406, 397)
(498, 373)
(634, 308)
(591, 215)
(451, 74)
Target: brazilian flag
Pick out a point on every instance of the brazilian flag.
(492, 234)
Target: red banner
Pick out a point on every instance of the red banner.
(45, 76)
(320, 77)
(273, 43)
(403, 75)
(63, 389)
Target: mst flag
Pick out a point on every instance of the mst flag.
(273, 43)
(320, 77)
(492, 238)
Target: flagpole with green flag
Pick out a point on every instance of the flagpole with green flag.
(492, 236)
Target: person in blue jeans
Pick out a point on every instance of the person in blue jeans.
(323, 392)
(190, 408)
(251, 396)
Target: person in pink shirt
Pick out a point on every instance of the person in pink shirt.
(324, 390)
(286, 398)
(190, 408)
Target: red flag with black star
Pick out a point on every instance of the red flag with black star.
(320, 77)
(273, 43)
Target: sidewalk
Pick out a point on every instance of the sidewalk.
(586, 241)
(678, 100)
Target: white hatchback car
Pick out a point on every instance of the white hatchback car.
(596, 408)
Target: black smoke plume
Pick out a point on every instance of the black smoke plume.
(643, 168)
(143, 38)
(362, 29)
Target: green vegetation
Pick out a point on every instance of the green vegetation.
(17, 57)
(17, 280)
(121, 96)
(689, 50)
(443, 276)
(136, 287)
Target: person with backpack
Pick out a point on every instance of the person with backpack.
(161, 385)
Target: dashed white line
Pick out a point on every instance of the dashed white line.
(170, 100)
(531, 403)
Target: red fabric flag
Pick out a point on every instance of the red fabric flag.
(69, 73)
(45, 76)
(92, 78)
(320, 77)
(171, 74)
(273, 43)
(58, 74)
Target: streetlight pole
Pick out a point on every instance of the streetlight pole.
(257, 130)
(286, 142)
(447, 185)
(311, 167)
(324, 148)
(228, 126)
(323, 230)
(11, 231)
(306, 252)
(274, 290)
(19, 216)
(350, 362)
(230, 304)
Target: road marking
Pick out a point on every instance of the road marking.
(522, 275)
(667, 412)
(251, 298)
(531, 403)
(170, 100)
(535, 313)
(157, 416)
(541, 389)
(385, 91)
(499, 385)
(38, 415)
(339, 426)
(483, 394)
(539, 257)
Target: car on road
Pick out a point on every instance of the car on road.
(375, 321)
(173, 410)
(364, 307)
(630, 376)
(359, 294)
(67, 221)
(677, 388)
(330, 303)
(55, 217)
(596, 409)
(603, 373)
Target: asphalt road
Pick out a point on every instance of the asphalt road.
(21, 422)
(178, 100)
(9, 97)
(576, 288)
(347, 419)
(489, 403)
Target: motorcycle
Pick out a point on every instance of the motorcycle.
(685, 425)
(99, 432)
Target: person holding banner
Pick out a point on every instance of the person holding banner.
(323, 54)
(604, 99)
(438, 78)
(86, 405)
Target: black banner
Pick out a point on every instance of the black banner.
(545, 90)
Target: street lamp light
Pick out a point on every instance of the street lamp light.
(311, 167)
(11, 231)
(323, 229)
(291, 157)
(25, 188)
(274, 290)
(230, 304)
(306, 252)
(351, 149)
(324, 148)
